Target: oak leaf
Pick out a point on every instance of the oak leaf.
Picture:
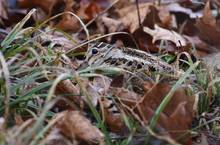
(177, 117)
(208, 27)
(46, 5)
(74, 125)
(159, 33)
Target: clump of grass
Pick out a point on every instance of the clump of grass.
(31, 77)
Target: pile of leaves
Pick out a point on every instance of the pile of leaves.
(46, 99)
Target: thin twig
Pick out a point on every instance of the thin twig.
(138, 12)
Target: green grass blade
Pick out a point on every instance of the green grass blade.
(12, 35)
(7, 85)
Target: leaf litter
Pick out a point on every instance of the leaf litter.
(100, 106)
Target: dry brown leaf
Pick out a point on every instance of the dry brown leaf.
(128, 97)
(67, 87)
(115, 120)
(89, 9)
(200, 45)
(112, 24)
(74, 125)
(68, 22)
(56, 138)
(129, 16)
(46, 5)
(208, 28)
(112, 119)
(163, 34)
(178, 114)
(18, 119)
(92, 10)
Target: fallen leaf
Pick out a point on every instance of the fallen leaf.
(177, 117)
(159, 33)
(54, 137)
(90, 9)
(68, 22)
(74, 125)
(67, 87)
(208, 28)
(46, 5)
(125, 96)
(129, 16)
(200, 45)
(112, 24)
(112, 115)
(18, 119)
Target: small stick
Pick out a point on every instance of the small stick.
(138, 12)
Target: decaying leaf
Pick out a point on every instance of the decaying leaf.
(129, 16)
(67, 87)
(178, 114)
(112, 116)
(68, 22)
(112, 24)
(125, 96)
(209, 29)
(74, 125)
(175, 119)
(163, 34)
(46, 5)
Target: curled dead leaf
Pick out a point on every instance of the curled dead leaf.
(74, 125)
(163, 34)
(208, 28)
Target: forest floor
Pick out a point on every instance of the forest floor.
(46, 99)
